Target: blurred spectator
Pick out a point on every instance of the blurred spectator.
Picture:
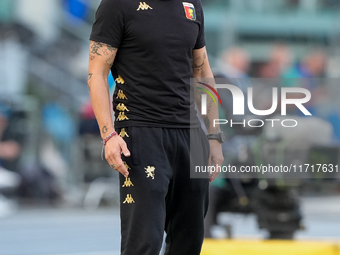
(309, 72)
(279, 61)
(233, 67)
(45, 177)
(9, 150)
(234, 63)
(312, 66)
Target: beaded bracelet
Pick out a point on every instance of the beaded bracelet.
(105, 140)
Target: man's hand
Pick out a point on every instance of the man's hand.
(113, 149)
(202, 70)
(216, 157)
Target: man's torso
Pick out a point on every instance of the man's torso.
(153, 65)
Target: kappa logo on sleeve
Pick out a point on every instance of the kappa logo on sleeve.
(189, 9)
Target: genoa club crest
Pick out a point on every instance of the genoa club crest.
(190, 12)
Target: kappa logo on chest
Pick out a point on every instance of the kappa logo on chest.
(143, 6)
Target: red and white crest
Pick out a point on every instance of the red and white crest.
(189, 9)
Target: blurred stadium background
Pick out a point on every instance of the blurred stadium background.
(58, 197)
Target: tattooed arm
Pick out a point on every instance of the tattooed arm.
(203, 73)
(100, 62)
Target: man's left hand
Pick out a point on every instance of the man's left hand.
(216, 157)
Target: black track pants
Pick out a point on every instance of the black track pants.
(159, 194)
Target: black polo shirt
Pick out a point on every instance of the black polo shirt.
(153, 65)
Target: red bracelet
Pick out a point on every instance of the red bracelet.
(106, 139)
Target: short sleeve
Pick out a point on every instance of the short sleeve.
(200, 42)
(108, 27)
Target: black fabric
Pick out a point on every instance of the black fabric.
(172, 201)
(154, 59)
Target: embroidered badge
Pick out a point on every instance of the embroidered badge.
(127, 183)
(189, 9)
(121, 95)
(120, 80)
(121, 107)
(143, 6)
(150, 172)
(123, 133)
(122, 116)
(129, 199)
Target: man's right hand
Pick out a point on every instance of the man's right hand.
(101, 59)
(113, 150)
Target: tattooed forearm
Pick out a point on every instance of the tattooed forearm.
(198, 95)
(199, 92)
(199, 62)
(206, 122)
(95, 46)
(110, 60)
(104, 129)
(90, 76)
(206, 118)
(199, 65)
(210, 104)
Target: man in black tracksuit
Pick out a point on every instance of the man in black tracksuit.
(153, 48)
